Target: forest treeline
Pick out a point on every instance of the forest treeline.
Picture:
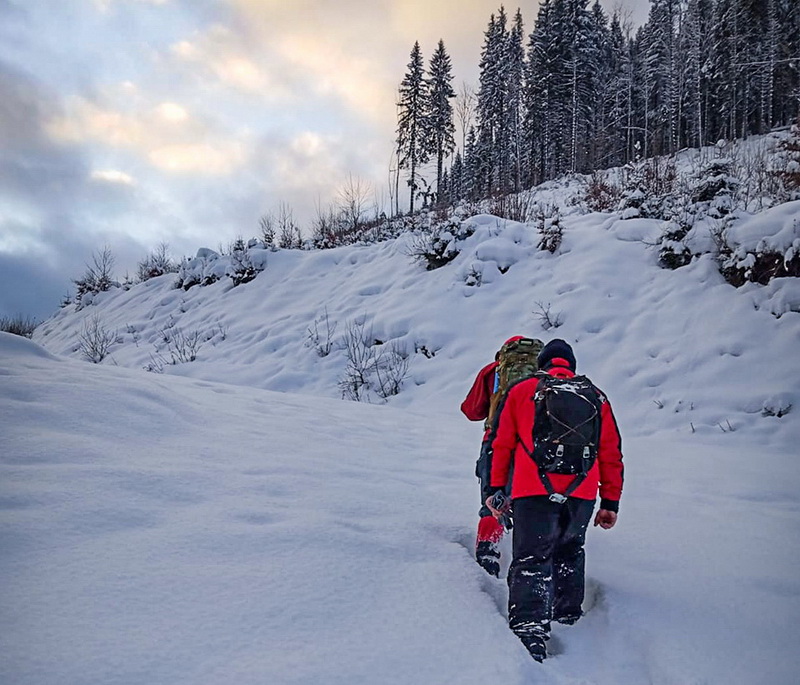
(583, 92)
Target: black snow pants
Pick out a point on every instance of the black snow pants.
(546, 577)
(483, 470)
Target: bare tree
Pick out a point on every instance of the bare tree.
(288, 230)
(466, 101)
(98, 275)
(353, 199)
(95, 340)
(157, 263)
(325, 225)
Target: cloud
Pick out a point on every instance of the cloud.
(218, 52)
(105, 5)
(166, 135)
(171, 112)
(112, 176)
(198, 158)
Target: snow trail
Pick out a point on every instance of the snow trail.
(167, 530)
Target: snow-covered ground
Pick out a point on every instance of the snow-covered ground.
(208, 529)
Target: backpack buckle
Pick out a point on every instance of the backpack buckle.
(558, 498)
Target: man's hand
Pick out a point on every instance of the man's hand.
(498, 513)
(605, 518)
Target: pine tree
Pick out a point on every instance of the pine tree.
(492, 105)
(440, 116)
(473, 167)
(618, 96)
(693, 36)
(599, 139)
(457, 178)
(580, 64)
(659, 45)
(412, 133)
(512, 180)
(539, 125)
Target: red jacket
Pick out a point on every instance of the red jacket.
(515, 428)
(476, 404)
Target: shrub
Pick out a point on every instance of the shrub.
(178, 348)
(157, 263)
(547, 318)
(514, 207)
(601, 196)
(673, 252)
(785, 164)
(18, 325)
(716, 185)
(440, 246)
(95, 340)
(371, 364)
(98, 275)
(322, 342)
(548, 224)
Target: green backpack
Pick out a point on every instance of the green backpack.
(516, 361)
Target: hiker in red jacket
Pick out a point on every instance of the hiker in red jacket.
(551, 510)
(476, 408)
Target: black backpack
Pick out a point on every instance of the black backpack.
(566, 429)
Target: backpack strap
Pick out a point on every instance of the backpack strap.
(552, 495)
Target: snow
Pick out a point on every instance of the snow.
(231, 520)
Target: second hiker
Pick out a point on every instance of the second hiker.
(560, 433)
(516, 359)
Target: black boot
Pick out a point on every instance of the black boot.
(535, 644)
(488, 556)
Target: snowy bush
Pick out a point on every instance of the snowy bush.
(442, 244)
(242, 265)
(245, 263)
(649, 188)
(18, 325)
(157, 263)
(762, 247)
(601, 195)
(716, 186)
(548, 224)
(176, 347)
(372, 365)
(320, 334)
(673, 252)
(634, 192)
(95, 340)
(97, 278)
(785, 164)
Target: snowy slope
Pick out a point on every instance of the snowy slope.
(660, 343)
(208, 529)
(169, 530)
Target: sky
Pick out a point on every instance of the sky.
(128, 123)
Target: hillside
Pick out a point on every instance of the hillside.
(662, 343)
(231, 519)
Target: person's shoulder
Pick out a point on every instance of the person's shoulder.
(491, 366)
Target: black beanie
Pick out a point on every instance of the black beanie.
(556, 348)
